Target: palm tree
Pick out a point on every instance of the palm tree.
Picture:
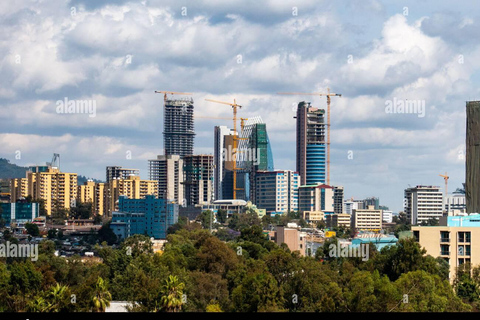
(38, 305)
(102, 297)
(171, 300)
(57, 296)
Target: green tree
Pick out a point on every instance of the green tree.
(171, 296)
(32, 229)
(206, 219)
(106, 234)
(101, 297)
(222, 216)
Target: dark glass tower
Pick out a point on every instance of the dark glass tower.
(178, 127)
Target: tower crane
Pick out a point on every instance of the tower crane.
(445, 177)
(171, 92)
(234, 106)
(328, 95)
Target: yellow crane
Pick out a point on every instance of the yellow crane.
(171, 92)
(445, 177)
(234, 106)
(328, 95)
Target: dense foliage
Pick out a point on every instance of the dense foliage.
(199, 272)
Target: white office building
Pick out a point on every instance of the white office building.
(423, 203)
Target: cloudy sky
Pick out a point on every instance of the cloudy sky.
(116, 53)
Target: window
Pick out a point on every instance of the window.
(464, 237)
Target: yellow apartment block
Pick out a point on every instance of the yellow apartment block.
(313, 216)
(367, 219)
(47, 183)
(18, 189)
(94, 193)
(338, 220)
(132, 188)
(457, 240)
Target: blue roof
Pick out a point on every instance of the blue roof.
(472, 220)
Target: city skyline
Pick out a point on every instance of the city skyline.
(374, 153)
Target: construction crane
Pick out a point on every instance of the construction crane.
(234, 106)
(171, 92)
(445, 177)
(328, 95)
(54, 163)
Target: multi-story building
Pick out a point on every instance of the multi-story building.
(222, 164)
(94, 193)
(116, 172)
(423, 203)
(387, 216)
(198, 179)
(338, 220)
(293, 238)
(179, 133)
(314, 216)
(19, 212)
(18, 189)
(338, 199)
(277, 191)
(144, 216)
(254, 154)
(456, 240)
(5, 195)
(310, 144)
(168, 171)
(317, 197)
(57, 189)
(455, 203)
(372, 201)
(132, 188)
(367, 219)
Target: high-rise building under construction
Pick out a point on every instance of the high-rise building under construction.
(310, 144)
(178, 130)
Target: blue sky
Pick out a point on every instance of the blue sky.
(117, 53)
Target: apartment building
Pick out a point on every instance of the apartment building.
(277, 191)
(367, 219)
(57, 189)
(338, 199)
(423, 203)
(198, 177)
(18, 189)
(132, 188)
(168, 171)
(94, 193)
(144, 216)
(317, 197)
(456, 240)
(313, 216)
(293, 238)
(338, 220)
(116, 172)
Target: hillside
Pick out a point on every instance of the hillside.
(9, 170)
